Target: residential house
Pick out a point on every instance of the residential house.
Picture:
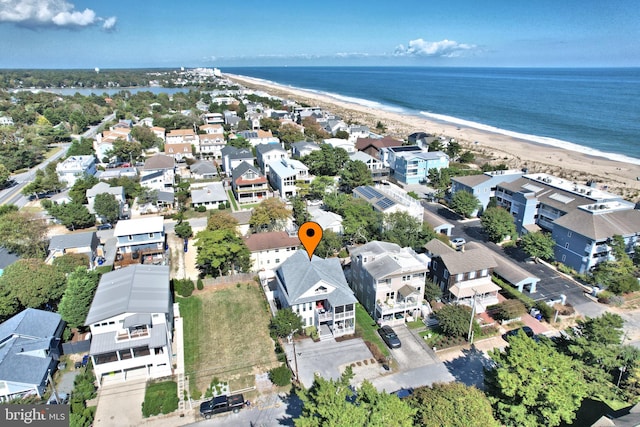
(179, 151)
(232, 157)
(104, 188)
(248, 184)
(285, 173)
(465, 275)
(325, 219)
(212, 118)
(411, 167)
(212, 196)
(113, 173)
(536, 201)
(243, 218)
(439, 224)
(158, 172)
(345, 144)
(303, 148)
(270, 249)
(318, 292)
(358, 131)
(388, 281)
(84, 243)
(6, 121)
(182, 136)
(332, 126)
(583, 236)
(379, 172)
(159, 132)
(131, 322)
(231, 118)
(75, 167)
(258, 136)
(483, 186)
(211, 142)
(29, 352)
(103, 143)
(140, 240)
(372, 146)
(268, 153)
(203, 169)
(390, 198)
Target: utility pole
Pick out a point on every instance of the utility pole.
(295, 356)
(473, 313)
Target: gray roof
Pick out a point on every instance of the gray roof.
(7, 258)
(236, 153)
(213, 192)
(474, 259)
(159, 161)
(435, 220)
(202, 167)
(166, 196)
(508, 270)
(137, 288)
(437, 247)
(74, 240)
(362, 156)
(548, 194)
(29, 330)
(298, 275)
(386, 259)
(265, 148)
(103, 187)
(600, 226)
(242, 169)
(471, 180)
(103, 343)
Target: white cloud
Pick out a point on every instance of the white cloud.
(444, 48)
(50, 13)
(109, 24)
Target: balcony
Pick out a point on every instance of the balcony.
(132, 334)
(391, 306)
(324, 315)
(144, 256)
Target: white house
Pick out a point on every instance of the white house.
(131, 322)
(270, 249)
(104, 188)
(268, 153)
(318, 292)
(327, 220)
(211, 196)
(345, 144)
(75, 167)
(158, 172)
(211, 142)
(284, 174)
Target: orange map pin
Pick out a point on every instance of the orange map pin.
(310, 234)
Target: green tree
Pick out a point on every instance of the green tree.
(329, 245)
(32, 283)
(299, 208)
(454, 319)
(77, 297)
(453, 149)
(285, 323)
(289, 134)
(78, 193)
(270, 215)
(360, 222)
(221, 251)
(313, 130)
(403, 229)
(498, 224)
(532, 384)
(24, 233)
(328, 161)
(464, 203)
(354, 174)
(72, 215)
(319, 186)
(145, 137)
(342, 134)
(68, 262)
(125, 150)
(467, 157)
(451, 404)
(221, 221)
(4, 175)
(239, 142)
(432, 291)
(81, 147)
(538, 245)
(329, 403)
(183, 230)
(436, 145)
(107, 207)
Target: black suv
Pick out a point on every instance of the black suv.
(525, 329)
(389, 336)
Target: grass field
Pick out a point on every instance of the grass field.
(226, 336)
(232, 200)
(368, 330)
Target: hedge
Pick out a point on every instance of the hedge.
(514, 293)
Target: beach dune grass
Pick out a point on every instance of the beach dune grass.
(226, 335)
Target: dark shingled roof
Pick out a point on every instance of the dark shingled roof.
(599, 226)
(271, 240)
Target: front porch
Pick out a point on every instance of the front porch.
(398, 311)
(334, 321)
(481, 292)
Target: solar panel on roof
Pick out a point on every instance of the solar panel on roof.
(385, 203)
(369, 192)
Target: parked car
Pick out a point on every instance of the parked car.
(63, 399)
(458, 242)
(525, 329)
(403, 393)
(221, 404)
(389, 337)
(105, 226)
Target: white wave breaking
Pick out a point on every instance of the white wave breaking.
(558, 143)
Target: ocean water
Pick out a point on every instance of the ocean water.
(595, 111)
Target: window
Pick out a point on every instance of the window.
(130, 237)
(564, 257)
(459, 277)
(472, 275)
(277, 260)
(406, 278)
(484, 272)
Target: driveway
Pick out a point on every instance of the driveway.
(119, 403)
(325, 357)
(412, 354)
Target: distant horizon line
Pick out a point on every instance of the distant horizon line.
(324, 66)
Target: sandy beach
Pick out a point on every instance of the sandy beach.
(619, 177)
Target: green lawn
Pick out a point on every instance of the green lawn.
(367, 329)
(226, 335)
(232, 200)
(160, 398)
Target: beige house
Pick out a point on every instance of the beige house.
(388, 281)
(269, 250)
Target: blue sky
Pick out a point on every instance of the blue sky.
(134, 33)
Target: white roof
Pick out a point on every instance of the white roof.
(144, 225)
